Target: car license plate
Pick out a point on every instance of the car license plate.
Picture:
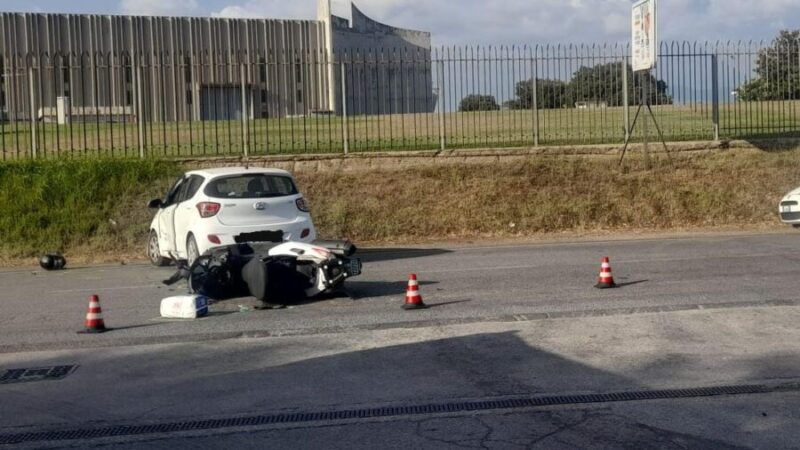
(786, 209)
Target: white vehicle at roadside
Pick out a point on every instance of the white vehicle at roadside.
(211, 208)
(789, 208)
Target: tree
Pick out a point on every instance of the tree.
(476, 102)
(777, 70)
(551, 94)
(602, 84)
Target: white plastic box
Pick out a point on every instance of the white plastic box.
(184, 307)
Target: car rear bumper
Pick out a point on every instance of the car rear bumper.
(789, 211)
(790, 218)
(226, 235)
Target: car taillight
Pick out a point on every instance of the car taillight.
(305, 233)
(208, 209)
(214, 239)
(302, 205)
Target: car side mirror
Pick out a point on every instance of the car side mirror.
(155, 204)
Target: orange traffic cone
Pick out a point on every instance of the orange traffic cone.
(94, 317)
(606, 280)
(413, 297)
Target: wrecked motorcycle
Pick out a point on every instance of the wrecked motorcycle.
(274, 273)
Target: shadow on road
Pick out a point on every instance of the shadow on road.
(391, 254)
(365, 289)
(631, 283)
(274, 377)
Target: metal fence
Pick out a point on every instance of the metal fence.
(380, 100)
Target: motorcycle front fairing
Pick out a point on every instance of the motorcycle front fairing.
(329, 270)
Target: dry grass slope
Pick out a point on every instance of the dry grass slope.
(554, 195)
(538, 196)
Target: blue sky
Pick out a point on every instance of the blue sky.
(488, 21)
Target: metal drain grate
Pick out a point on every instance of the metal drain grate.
(38, 374)
(391, 411)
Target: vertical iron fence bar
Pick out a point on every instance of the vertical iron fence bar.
(715, 95)
(32, 93)
(473, 88)
(55, 69)
(345, 130)
(364, 112)
(413, 111)
(96, 98)
(387, 64)
(203, 58)
(162, 99)
(761, 108)
(461, 93)
(728, 120)
(124, 85)
(518, 131)
(625, 100)
(16, 99)
(243, 91)
(4, 116)
(399, 96)
(493, 133)
(535, 95)
(518, 75)
(305, 96)
(352, 68)
(442, 129)
(450, 91)
(177, 92)
(111, 98)
(40, 88)
(793, 86)
(139, 106)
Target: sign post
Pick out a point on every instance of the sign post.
(644, 54)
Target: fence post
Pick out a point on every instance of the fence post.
(139, 107)
(34, 144)
(345, 130)
(442, 139)
(626, 113)
(242, 78)
(715, 95)
(535, 101)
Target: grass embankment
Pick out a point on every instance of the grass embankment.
(98, 207)
(77, 206)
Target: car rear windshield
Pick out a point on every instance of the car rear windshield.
(251, 186)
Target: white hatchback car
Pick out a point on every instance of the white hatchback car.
(216, 207)
(789, 208)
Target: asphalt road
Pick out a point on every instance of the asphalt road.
(44, 310)
(507, 323)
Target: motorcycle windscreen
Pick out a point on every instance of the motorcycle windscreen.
(254, 199)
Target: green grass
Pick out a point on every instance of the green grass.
(393, 132)
(65, 205)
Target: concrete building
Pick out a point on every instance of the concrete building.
(122, 68)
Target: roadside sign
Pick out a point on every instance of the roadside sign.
(643, 35)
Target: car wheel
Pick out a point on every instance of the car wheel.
(192, 253)
(153, 251)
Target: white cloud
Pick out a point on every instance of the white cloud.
(275, 9)
(543, 21)
(159, 7)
